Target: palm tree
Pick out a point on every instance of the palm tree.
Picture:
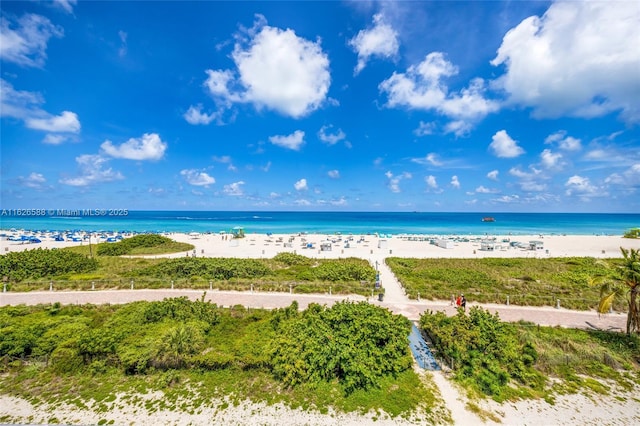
(629, 281)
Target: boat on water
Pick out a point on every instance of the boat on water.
(488, 219)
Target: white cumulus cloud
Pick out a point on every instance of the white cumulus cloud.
(581, 186)
(26, 106)
(393, 182)
(66, 5)
(493, 174)
(529, 181)
(66, 122)
(422, 87)
(381, 40)
(55, 139)
(234, 189)
(25, 42)
(484, 190)
(564, 142)
(301, 185)
(455, 182)
(333, 174)
(581, 59)
(551, 160)
(503, 146)
(431, 182)
(325, 135)
(430, 159)
(629, 178)
(293, 141)
(92, 170)
(194, 115)
(34, 180)
(197, 178)
(276, 69)
(148, 147)
(425, 129)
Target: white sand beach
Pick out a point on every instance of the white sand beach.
(377, 246)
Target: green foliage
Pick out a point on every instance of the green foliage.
(355, 343)
(291, 259)
(577, 355)
(486, 353)
(43, 263)
(632, 233)
(351, 269)
(627, 282)
(141, 244)
(211, 268)
(491, 280)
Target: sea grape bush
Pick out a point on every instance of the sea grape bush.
(126, 245)
(351, 269)
(291, 266)
(353, 344)
(213, 268)
(486, 353)
(291, 259)
(43, 263)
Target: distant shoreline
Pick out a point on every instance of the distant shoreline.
(356, 223)
(371, 247)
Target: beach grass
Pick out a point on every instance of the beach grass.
(298, 275)
(523, 281)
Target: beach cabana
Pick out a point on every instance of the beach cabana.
(325, 247)
(487, 245)
(444, 243)
(536, 245)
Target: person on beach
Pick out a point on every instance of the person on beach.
(463, 302)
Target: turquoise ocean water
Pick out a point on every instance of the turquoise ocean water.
(326, 223)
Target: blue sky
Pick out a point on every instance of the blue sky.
(339, 106)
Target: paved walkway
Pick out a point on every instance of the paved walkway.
(393, 291)
(410, 309)
(394, 299)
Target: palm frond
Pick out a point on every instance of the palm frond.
(605, 303)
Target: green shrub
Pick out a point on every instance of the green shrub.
(44, 263)
(632, 233)
(485, 352)
(291, 259)
(66, 360)
(355, 343)
(127, 245)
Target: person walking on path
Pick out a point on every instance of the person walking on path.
(463, 302)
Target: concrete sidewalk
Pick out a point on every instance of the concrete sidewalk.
(271, 300)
